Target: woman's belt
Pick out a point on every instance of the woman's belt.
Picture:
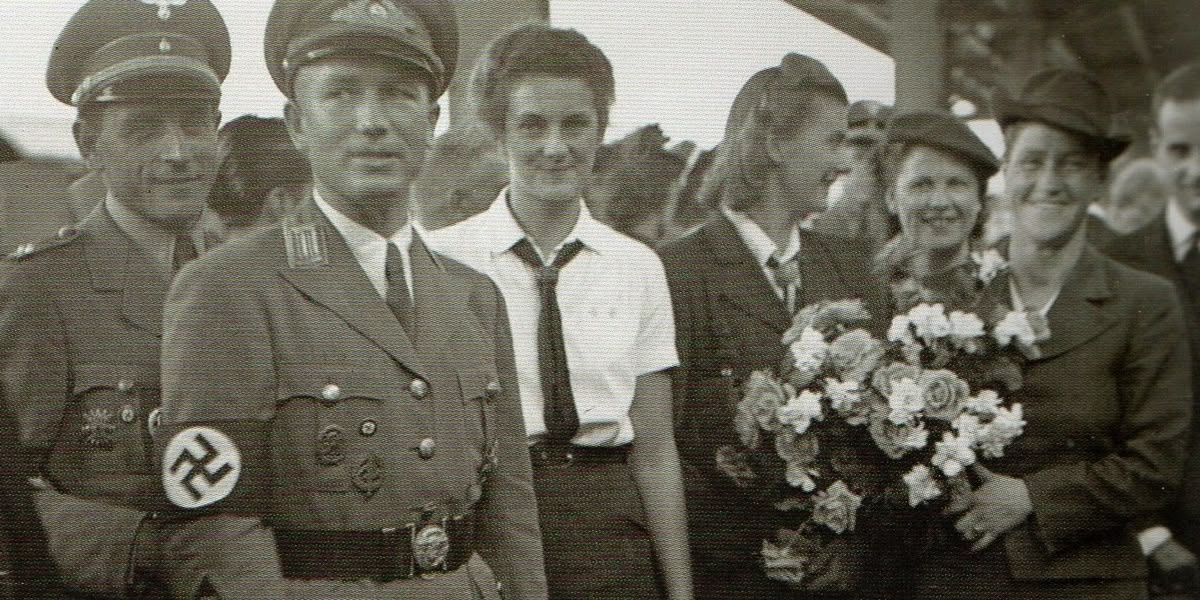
(554, 455)
(425, 549)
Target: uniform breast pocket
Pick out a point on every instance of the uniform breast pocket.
(604, 331)
(114, 406)
(334, 433)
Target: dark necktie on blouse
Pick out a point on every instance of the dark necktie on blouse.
(562, 421)
(183, 252)
(397, 288)
(787, 277)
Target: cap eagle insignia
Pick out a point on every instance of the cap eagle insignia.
(164, 6)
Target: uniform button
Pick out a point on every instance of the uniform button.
(494, 390)
(331, 392)
(368, 428)
(426, 448)
(418, 388)
(125, 385)
(1070, 443)
(128, 414)
(727, 372)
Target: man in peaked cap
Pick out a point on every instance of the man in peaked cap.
(81, 314)
(329, 384)
(735, 286)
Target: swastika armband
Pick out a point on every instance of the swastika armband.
(217, 466)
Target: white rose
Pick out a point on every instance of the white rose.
(1007, 426)
(810, 350)
(985, 403)
(930, 321)
(1014, 325)
(905, 401)
(800, 411)
(921, 486)
(898, 331)
(965, 325)
(953, 454)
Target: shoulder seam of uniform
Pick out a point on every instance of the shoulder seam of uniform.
(65, 236)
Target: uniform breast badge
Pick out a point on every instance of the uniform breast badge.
(99, 427)
(367, 476)
(331, 446)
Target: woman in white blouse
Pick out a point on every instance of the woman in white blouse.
(593, 331)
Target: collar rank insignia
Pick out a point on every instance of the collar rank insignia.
(164, 6)
(99, 427)
(305, 243)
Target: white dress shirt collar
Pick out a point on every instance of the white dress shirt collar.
(507, 231)
(370, 248)
(760, 244)
(1180, 230)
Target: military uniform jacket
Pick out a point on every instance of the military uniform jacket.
(80, 320)
(366, 425)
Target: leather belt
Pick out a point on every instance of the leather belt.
(549, 455)
(425, 549)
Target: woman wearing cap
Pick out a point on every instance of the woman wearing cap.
(593, 332)
(936, 171)
(1106, 398)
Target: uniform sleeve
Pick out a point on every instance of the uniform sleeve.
(510, 539)
(217, 370)
(1072, 502)
(33, 356)
(655, 346)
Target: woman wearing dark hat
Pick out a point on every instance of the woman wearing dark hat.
(1106, 400)
(592, 326)
(936, 171)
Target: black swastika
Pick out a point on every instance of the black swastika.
(199, 466)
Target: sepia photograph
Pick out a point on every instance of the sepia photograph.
(600, 300)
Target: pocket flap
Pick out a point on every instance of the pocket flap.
(330, 384)
(125, 378)
(479, 384)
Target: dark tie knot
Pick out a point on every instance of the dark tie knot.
(547, 275)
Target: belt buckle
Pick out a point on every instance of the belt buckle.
(431, 548)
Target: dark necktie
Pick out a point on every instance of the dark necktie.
(558, 402)
(787, 277)
(183, 252)
(397, 288)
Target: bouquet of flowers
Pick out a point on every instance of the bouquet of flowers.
(850, 422)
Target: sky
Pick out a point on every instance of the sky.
(678, 63)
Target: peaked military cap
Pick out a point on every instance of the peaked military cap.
(945, 132)
(423, 33)
(1067, 99)
(794, 72)
(114, 50)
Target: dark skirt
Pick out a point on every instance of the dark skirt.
(594, 533)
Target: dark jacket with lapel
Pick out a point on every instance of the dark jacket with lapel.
(250, 337)
(1149, 249)
(1107, 408)
(730, 322)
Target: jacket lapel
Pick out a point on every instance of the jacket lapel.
(117, 265)
(740, 279)
(1079, 314)
(340, 285)
(431, 298)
